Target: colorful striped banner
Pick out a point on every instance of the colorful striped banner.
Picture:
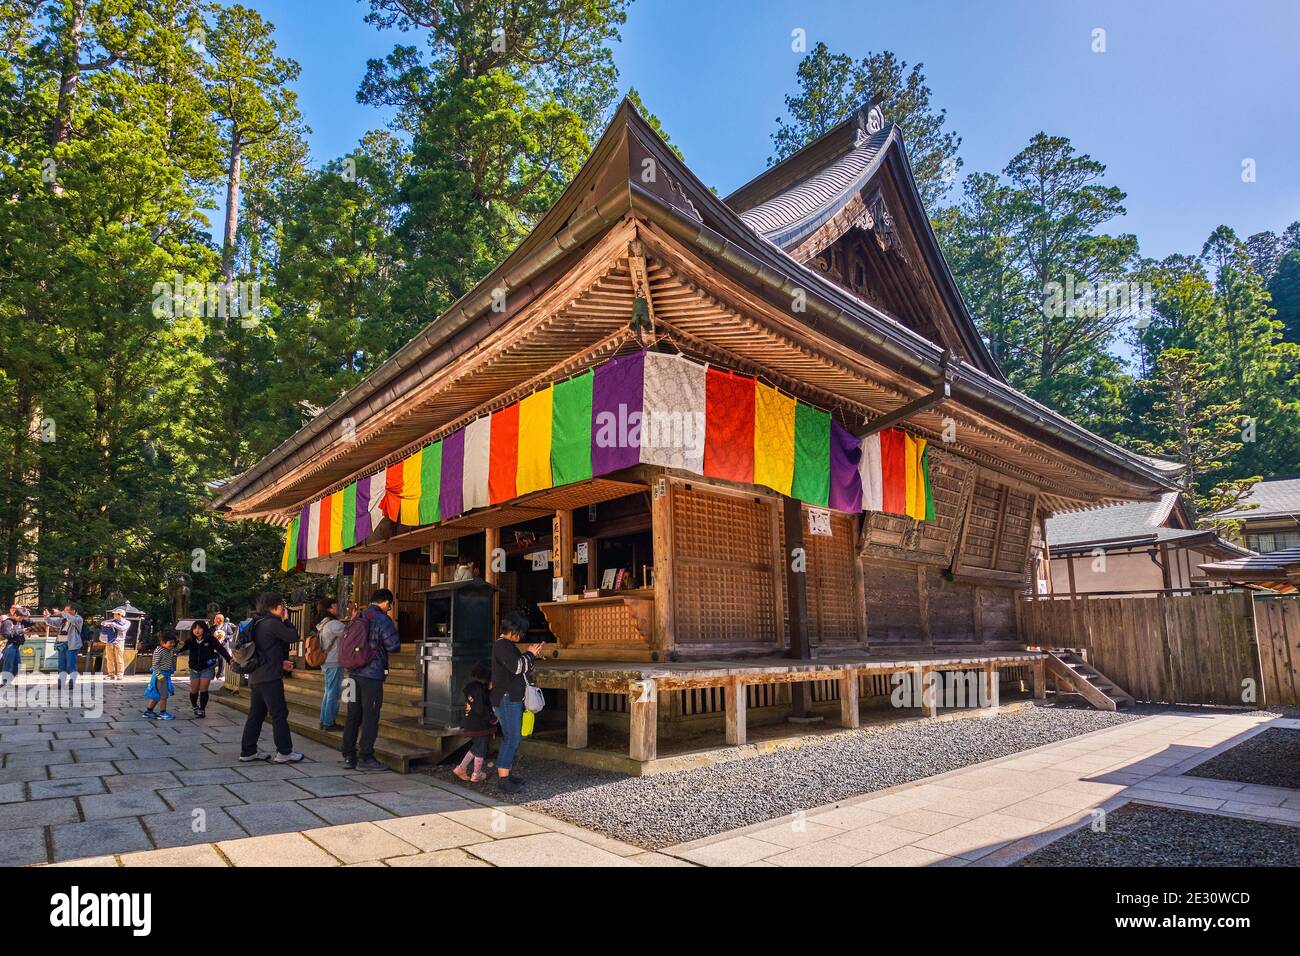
(534, 469)
(644, 408)
(430, 506)
(895, 475)
(478, 456)
(503, 454)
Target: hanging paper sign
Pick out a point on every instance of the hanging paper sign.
(580, 554)
(819, 522)
(541, 560)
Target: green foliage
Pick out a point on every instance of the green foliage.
(1196, 429)
(500, 111)
(1028, 251)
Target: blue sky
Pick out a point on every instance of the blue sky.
(1185, 91)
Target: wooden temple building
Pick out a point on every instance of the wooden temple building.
(832, 480)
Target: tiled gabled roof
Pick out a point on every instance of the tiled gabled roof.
(789, 216)
(1132, 519)
(1275, 497)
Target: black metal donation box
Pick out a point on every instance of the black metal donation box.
(458, 620)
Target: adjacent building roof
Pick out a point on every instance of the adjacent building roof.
(1273, 498)
(1279, 570)
(1133, 524)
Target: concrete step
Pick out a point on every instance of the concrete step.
(310, 696)
(399, 754)
(396, 689)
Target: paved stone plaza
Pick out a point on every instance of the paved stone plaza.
(83, 787)
(114, 788)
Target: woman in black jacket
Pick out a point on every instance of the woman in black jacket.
(509, 665)
(205, 652)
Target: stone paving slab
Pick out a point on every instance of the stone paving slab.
(119, 789)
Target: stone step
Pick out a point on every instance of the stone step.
(397, 689)
(399, 754)
(310, 697)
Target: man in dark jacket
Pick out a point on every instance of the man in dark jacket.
(273, 635)
(368, 685)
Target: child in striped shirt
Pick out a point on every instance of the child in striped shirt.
(160, 683)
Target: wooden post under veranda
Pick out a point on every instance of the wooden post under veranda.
(797, 601)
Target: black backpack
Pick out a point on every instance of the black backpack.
(244, 658)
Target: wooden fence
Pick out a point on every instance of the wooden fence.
(1277, 624)
(1184, 647)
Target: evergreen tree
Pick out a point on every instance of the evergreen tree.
(1198, 430)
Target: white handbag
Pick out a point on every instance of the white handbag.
(534, 699)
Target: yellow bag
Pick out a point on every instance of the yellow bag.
(527, 727)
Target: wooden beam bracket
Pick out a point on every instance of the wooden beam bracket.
(941, 392)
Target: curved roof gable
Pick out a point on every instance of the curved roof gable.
(806, 192)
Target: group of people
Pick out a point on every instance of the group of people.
(72, 638)
(272, 637)
(494, 695)
(494, 699)
(207, 648)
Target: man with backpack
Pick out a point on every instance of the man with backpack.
(269, 635)
(70, 624)
(364, 648)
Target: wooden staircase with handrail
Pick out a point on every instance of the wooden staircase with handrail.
(1075, 675)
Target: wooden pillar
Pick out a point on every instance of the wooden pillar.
(797, 601)
(737, 718)
(992, 684)
(576, 698)
(435, 562)
(929, 692)
(394, 576)
(1040, 679)
(562, 549)
(492, 544)
(661, 522)
(849, 714)
(643, 720)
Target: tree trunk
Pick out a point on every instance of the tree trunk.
(14, 508)
(69, 77)
(232, 211)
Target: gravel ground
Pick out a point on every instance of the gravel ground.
(670, 808)
(1139, 835)
(1271, 759)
